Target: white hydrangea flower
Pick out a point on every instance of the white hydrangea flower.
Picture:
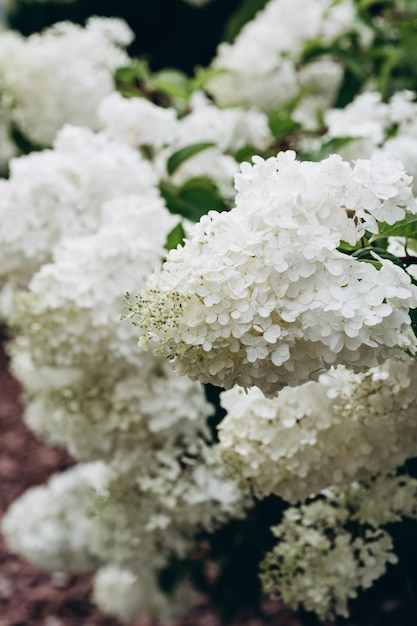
(71, 313)
(319, 564)
(59, 192)
(155, 510)
(127, 595)
(261, 296)
(59, 76)
(137, 122)
(50, 525)
(345, 427)
(116, 414)
(228, 129)
(261, 66)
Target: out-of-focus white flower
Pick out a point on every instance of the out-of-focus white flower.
(262, 296)
(345, 427)
(261, 67)
(59, 76)
(59, 193)
(71, 313)
(156, 509)
(126, 595)
(116, 414)
(137, 121)
(50, 525)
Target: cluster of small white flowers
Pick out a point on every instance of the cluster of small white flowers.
(50, 526)
(262, 66)
(261, 296)
(385, 499)
(137, 122)
(372, 125)
(345, 427)
(59, 193)
(127, 595)
(319, 564)
(155, 510)
(228, 129)
(71, 312)
(116, 414)
(60, 75)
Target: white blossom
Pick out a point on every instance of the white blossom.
(261, 66)
(345, 427)
(59, 76)
(319, 564)
(262, 296)
(50, 526)
(127, 595)
(59, 193)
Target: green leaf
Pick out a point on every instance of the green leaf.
(173, 83)
(404, 228)
(329, 147)
(246, 153)
(194, 199)
(175, 237)
(281, 124)
(368, 254)
(247, 10)
(179, 157)
(204, 75)
(202, 193)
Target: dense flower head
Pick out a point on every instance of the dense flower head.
(342, 428)
(59, 76)
(318, 563)
(262, 65)
(129, 595)
(59, 193)
(118, 414)
(154, 511)
(229, 129)
(262, 296)
(137, 122)
(49, 525)
(71, 313)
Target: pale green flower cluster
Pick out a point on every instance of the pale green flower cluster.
(318, 563)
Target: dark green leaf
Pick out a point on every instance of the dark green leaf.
(404, 228)
(368, 254)
(329, 147)
(179, 157)
(247, 10)
(194, 199)
(246, 153)
(175, 237)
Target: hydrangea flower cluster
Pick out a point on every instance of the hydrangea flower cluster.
(115, 415)
(229, 129)
(126, 595)
(261, 295)
(154, 511)
(263, 65)
(71, 312)
(59, 193)
(318, 563)
(375, 126)
(50, 526)
(59, 76)
(345, 427)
